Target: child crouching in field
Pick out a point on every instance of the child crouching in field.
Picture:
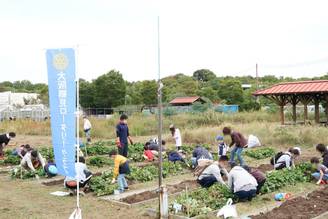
(121, 168)
(222, 146)
(322, 171)
(148, 154)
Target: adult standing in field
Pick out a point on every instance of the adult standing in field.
(239, 142)
(87, 129)
(123, 136)
(322, 149)
(4, 140)
(177, 136)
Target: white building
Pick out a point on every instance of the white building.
(9, 98)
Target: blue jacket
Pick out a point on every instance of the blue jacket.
(122, 132)
(201, 152)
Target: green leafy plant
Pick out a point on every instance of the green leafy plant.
(202, 200)
(260, 153)
(278, 179)
(101, 185)
(19, 173)
(12, 159)
(100, 161)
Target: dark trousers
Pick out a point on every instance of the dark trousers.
(246, 195)
(281, 166)
(207, 181)
(259, 186)
(82, 184)
(123, 150)
(1, 150)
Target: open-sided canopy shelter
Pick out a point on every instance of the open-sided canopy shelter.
(304, 92)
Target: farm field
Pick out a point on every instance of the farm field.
(15, 193)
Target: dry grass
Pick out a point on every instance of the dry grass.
(269, 134)
(194, 127)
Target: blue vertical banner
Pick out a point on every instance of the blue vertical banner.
(62, 98)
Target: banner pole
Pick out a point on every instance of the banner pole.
(77, 127)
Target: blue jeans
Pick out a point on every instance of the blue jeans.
(316, 175)
(194, 161)
(122, 182)
(238, 151)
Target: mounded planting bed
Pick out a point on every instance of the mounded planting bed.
(101, 185)
(152, 194)
(314, 204)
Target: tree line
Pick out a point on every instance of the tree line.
(112, 90)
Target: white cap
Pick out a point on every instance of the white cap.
(297, 148)
(171, 126)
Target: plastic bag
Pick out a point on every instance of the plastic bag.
(228, 210)
(253, 141)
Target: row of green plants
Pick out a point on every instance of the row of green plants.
(202, 201)
(20, 173)
(260, 153)
(100, 185)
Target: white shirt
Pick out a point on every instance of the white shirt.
(240, 180)
(79, 171)
(177, 137)
(286, 158)
(27, 161)
(87, 124)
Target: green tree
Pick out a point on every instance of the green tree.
(249, 101)
(44, 96)
(204, 75)
(210, 93)
(110, 90)
(149, 92)
(87, 93)
(231, 91)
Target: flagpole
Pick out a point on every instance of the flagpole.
(77, 126)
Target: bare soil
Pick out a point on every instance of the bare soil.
(265, 167)
(308, 207)
(172, 189)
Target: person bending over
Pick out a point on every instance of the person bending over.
(239, 142)
(322, 171)
(83, 176)
(242, 183)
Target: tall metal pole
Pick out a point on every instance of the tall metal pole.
(77, 125)
(257, 78)
(163, 199)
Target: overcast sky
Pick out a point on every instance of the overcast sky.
(286, 38)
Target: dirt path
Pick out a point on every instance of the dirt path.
(314, 204)
(29, 199)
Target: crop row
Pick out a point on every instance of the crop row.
(202, 200)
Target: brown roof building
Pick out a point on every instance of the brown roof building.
(304, 92)
(186, 101)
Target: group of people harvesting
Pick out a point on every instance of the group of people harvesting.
(30, 158)
(244, 181)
